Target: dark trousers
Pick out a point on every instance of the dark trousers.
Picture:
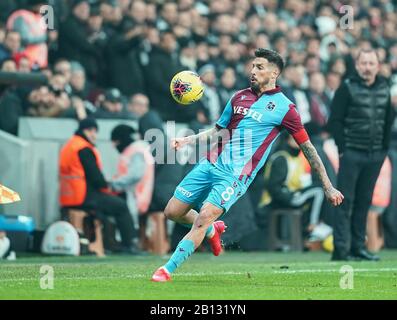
(358, 172)
(110, 205)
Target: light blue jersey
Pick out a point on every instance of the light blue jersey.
(248, 127)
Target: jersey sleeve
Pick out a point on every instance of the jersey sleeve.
(293, 124)
(226, 115)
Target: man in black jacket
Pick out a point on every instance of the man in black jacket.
(74, 43)
(360, 122)
(163, 65)
(122, 55)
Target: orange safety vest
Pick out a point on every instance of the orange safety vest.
(143, 190)
(36, 53)
(73, 184)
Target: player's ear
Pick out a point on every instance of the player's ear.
(275, 73)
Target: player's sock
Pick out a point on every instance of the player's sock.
(183, 251)
(209, 233)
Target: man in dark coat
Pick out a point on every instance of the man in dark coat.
(163, 65)
(125, 71)
(360, 122)
(74, 42)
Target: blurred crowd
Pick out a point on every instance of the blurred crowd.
(97, 54)
(111, 58)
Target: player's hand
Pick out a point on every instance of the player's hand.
(178, 143)
(334, 196)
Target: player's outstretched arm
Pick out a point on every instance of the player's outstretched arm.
(178, 143)
(333, 195)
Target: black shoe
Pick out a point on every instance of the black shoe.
(342, 258)
(365, 255)
(338, 256)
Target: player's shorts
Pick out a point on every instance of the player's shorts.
(207, 183)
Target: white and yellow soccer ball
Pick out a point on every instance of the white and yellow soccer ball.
(186, 87)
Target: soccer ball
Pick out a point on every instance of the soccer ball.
(186, 87)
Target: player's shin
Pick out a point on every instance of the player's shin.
(185, 248)
(183, 251)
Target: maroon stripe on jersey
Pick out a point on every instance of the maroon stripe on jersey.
(214, 153)
(257, 156)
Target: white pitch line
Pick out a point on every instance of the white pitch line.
(201, 274)
(133, 276)
(336, 270)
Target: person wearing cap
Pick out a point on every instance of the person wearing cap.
(111, 105)
(135, 169)
(135, 178)
(83, 186)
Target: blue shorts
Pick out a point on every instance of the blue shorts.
(207, 183)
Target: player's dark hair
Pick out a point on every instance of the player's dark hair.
(271, 56)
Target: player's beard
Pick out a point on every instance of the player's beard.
(256, 86)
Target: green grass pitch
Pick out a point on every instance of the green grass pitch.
(233, 275)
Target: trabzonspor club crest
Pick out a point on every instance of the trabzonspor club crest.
(270, 106)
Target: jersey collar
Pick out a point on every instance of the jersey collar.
(277, 89)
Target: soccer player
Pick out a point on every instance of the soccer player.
(252, 120)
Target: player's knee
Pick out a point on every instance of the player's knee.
(170, 211)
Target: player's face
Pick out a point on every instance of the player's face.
(261, 73)
(367, 66)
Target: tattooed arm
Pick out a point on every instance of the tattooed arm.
(332, 194)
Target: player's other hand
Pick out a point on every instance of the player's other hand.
(178, 143)
(334, 196)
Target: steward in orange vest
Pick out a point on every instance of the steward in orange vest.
(83, 186)
(80, 168)
(135, 169)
